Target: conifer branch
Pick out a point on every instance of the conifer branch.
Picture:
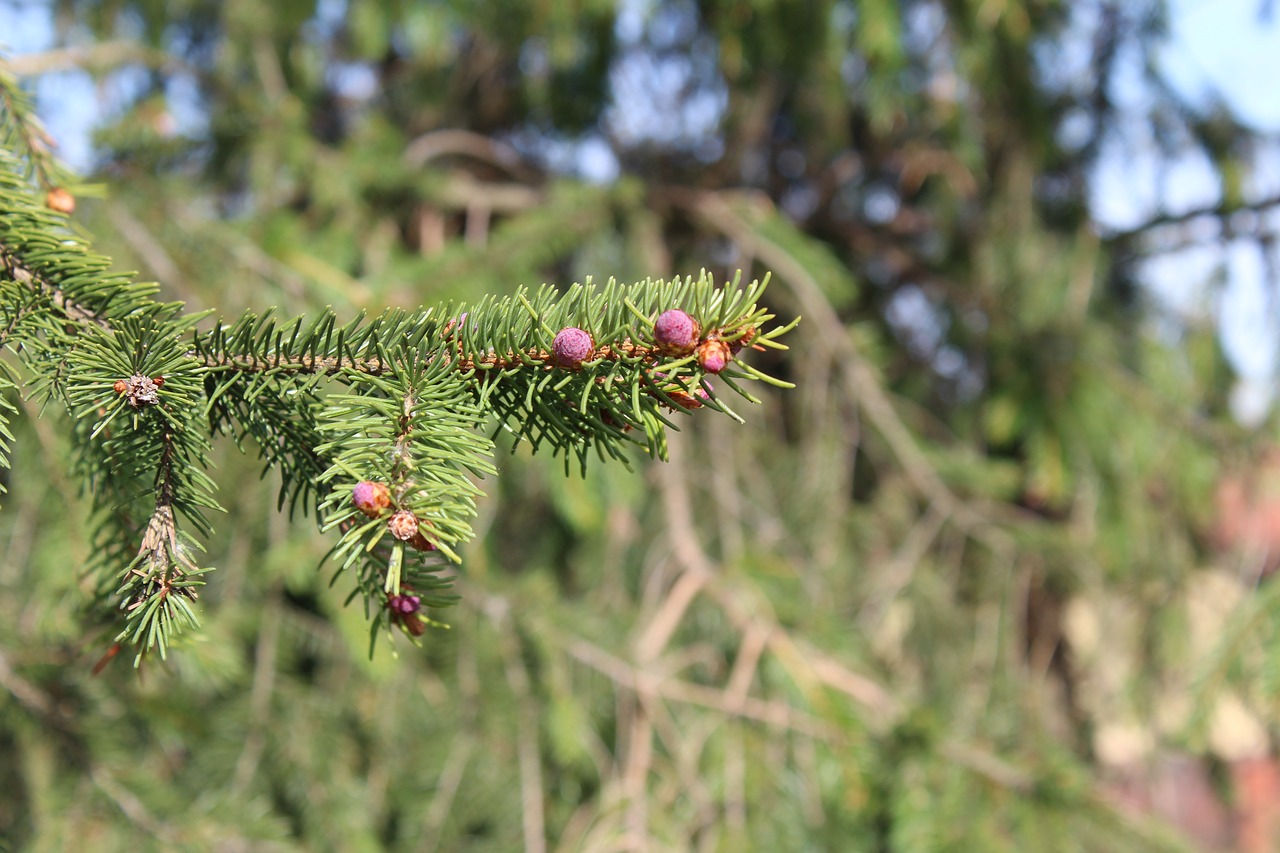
(157, 587)
(71, 310)
(379, 427)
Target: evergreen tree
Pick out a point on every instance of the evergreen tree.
(947, 594)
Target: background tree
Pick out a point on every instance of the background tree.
(948, 594)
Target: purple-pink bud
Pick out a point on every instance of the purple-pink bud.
(714, 356)
(675, 332)
(371, 498)
(404, 605)
(571, 347)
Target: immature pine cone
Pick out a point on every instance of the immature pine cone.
(371, 498)
(714, 356)
(571, 347)
(675, 332)
(404, 605)
(404, 611)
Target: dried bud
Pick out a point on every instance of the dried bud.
(714, 356)
(141, 391)
(371, 498)
(60, 200)
(403, 525)
(120, 386)
(571, 347)
(675, 332)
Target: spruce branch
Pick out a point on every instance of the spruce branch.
(158, 586)
(380, 428)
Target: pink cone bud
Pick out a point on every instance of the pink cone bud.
(404, 605)
(571, 347)
(404, 612)
(675, 332)
(371, 498)
(714, 356)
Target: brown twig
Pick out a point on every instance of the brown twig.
(455, 766)
(531, 795)
(770, 712)
(441, 143)
(260, 692)
(29, 694)
(99, 57)
(149, 249)
(23, 274)
(1215, 211)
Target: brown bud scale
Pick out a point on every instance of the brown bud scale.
(403, 525)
